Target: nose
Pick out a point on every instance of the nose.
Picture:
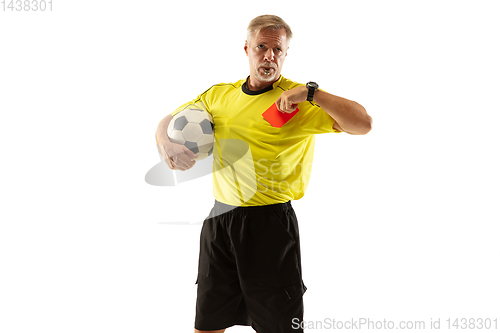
(269, 55)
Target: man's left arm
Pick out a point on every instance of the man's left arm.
(349, 116)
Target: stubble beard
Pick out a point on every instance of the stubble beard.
(260, 73)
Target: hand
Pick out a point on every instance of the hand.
(290, 99)
(177, 156)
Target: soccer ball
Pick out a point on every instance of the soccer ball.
(194, 129)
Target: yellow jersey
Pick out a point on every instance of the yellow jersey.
(255, 163)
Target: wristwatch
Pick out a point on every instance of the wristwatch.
(312, 86)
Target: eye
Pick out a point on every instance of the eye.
(278, 49)
(260, 46)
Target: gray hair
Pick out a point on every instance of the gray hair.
(272, 22)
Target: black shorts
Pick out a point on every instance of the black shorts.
(249, 269)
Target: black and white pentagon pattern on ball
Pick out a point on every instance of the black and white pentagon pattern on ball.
(194, 129)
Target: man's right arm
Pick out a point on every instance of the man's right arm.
(177, 157)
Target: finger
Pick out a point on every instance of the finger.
(178, 165)
(190, 154)
(175, 155)
(190, 166)
(185, 159)
(167, 157)
(291, 108)
(278, 104)
(171, 163)
(168, 161)
(185, 167)
(183, 162)
(287, 107)
(283, 105)
(182, 158)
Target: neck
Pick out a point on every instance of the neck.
(256, 85)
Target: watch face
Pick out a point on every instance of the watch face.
(312, 85)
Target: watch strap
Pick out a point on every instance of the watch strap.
(311, 86)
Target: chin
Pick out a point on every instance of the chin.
(267, 79)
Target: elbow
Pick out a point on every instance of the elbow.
(368, 125)
(364, 126)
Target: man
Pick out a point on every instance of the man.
(249, 267)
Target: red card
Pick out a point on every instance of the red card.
(277, 118)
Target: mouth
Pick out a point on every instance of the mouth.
(267, 70)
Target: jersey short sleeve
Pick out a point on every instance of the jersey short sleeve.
(201, 102)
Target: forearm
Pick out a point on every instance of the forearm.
(161, 131)
(351, 116)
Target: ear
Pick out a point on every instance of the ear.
(246, 48)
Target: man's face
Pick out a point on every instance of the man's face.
(266, 53)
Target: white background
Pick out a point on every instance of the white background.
(401, 224)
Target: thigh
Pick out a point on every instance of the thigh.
(267, 253)
(219, 302)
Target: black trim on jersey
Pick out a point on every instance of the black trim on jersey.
(244, 88)
(215, 85)
(203, 93)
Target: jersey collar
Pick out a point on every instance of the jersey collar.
(247, 91)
